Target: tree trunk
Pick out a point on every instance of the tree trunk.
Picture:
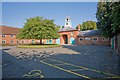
(40, 41)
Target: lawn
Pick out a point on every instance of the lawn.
(38, 46)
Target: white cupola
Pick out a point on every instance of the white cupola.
(68, 22)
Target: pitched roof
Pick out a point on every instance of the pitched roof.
(9, 30)
(66, 29)
(89, 33)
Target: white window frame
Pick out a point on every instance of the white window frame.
(82, 39)
(87, 39)
(3, 40)
(3, 35)
(105, 39)
(94, 40)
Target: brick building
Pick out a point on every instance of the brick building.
(68, 35)
(8, 37)
(92, 37)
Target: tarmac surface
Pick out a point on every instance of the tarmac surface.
(68, 61)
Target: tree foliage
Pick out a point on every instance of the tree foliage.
(38, 28)
(108, 18)
(62, 26)
(88, 25)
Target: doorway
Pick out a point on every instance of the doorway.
(65, 39)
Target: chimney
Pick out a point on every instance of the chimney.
(78, 27)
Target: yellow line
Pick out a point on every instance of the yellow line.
(65, 70)
(77, 69)
(59, 64)
(85, 68)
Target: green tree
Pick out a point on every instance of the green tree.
(103, 17)
(62, 26)
(88, 25)
(76, 27)
(108, 18)
(115, 16)
(38, 28)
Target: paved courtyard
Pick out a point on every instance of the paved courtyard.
(67, 61)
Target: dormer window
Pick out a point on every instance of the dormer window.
(12, 35)
(3, 35)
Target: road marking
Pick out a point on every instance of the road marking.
(59, 64)
(77, 69)
(101, 72)
(34, 73)
(65, 70)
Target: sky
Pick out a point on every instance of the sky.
(50, 0)
(15, 13)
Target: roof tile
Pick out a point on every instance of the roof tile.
(9, 30)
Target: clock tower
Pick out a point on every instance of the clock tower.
(68, 22)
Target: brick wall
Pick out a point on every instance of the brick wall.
(8, 39)
(69, 35)
(100, 40)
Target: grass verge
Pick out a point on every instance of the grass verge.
(39, 46)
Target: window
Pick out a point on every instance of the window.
(22, 42)
(104, 39)
(12, 35)
(95, 39)
(3, 41)
(87, 39)
(81, 39)
(11, 41)
(3, 35)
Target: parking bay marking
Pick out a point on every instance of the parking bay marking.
(65, 70)
(81, 67)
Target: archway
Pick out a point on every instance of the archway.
(65, 39)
